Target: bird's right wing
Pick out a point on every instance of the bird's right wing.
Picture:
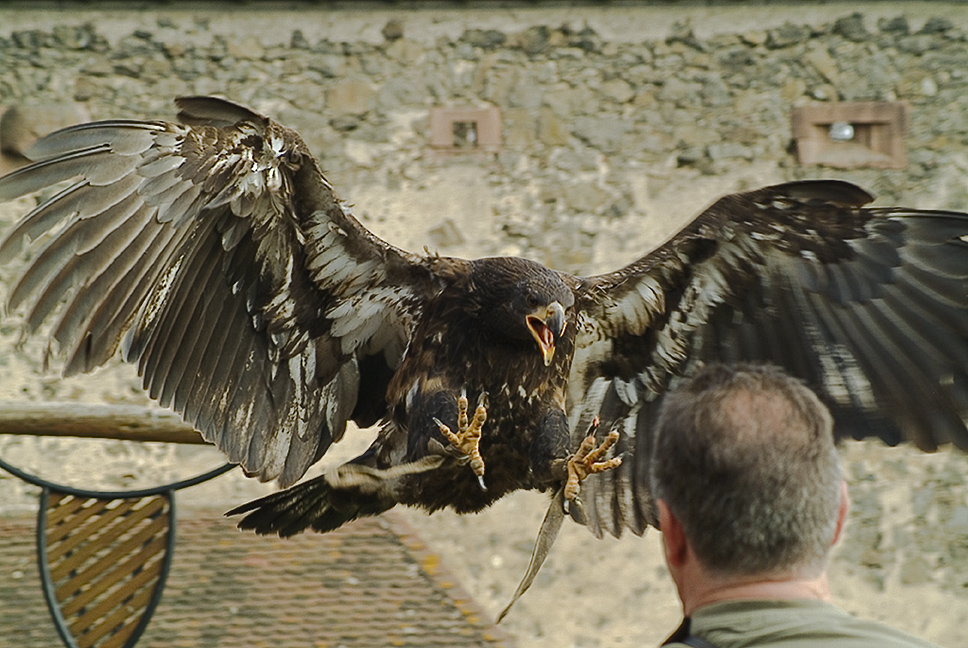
(869, 306)
(216, 252)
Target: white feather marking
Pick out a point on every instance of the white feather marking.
(626, 391)
(651, 292)
(412, 393)
(349, 343)
(341, 310)
(633, 313)
(318, 265)
(152, 305)
(336, 272)
(591, 403)
(278, 441)
(277, 145)
(363, 276)
(344, 324)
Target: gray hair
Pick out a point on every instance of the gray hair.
(745, 459)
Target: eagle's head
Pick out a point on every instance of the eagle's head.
(521, 300)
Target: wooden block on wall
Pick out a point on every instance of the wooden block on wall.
(852, 134)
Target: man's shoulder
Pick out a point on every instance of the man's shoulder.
(793, 624)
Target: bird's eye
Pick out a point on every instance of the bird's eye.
(533, 300)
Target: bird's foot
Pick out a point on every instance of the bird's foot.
(467, 440)
(588, 460)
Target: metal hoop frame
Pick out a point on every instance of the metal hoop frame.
(48, 488)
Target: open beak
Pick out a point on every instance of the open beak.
(547, 326)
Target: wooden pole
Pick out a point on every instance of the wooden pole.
(126, 422)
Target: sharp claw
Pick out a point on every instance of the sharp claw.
(480, 480)
(579, 505)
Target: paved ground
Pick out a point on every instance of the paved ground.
(371, 584)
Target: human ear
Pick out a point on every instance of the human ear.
(842, 512)
(674, 541)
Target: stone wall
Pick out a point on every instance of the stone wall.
(618, 123)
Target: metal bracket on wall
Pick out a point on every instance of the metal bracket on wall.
(852, 134)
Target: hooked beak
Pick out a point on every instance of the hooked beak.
(547, 325)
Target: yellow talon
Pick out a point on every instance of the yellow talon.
(588, 461)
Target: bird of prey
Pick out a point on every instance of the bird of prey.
(215, 254)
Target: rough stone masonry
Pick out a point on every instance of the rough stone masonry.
(609, 116)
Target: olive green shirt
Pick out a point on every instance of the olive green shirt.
(789, 624)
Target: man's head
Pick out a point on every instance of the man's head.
(745, 461)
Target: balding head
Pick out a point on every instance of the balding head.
(745, 459)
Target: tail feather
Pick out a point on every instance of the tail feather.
(329, 501)
(304, 506)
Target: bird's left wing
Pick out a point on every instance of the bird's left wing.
(868, 305)
(217, 254)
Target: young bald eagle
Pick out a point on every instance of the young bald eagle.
(215, 253)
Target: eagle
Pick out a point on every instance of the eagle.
(214, 254)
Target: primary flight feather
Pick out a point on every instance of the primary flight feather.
(215, 254)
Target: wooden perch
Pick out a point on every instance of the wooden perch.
(126, 422)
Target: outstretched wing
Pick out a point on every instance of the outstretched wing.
(216, 252)
(868, 305)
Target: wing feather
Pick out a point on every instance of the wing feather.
(868, 305)
(228, 349)
(124, 137)
(126, 285)
(88, 259)
(218, 253)
(180, 332)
